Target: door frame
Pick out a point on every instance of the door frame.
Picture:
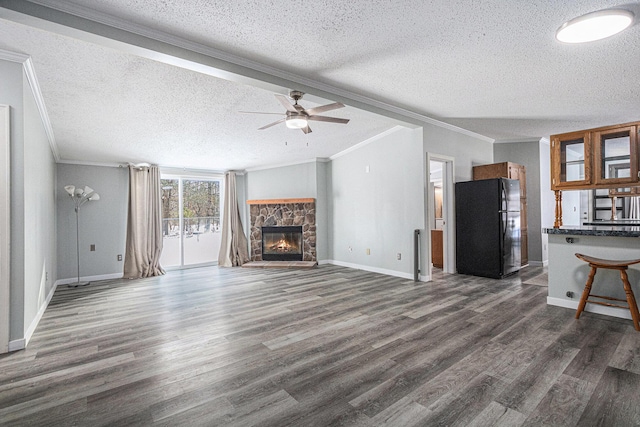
(448, 226)
(5, 229)
(191, 175)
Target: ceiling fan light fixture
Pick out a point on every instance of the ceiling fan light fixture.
(594, 26)
(296, 122)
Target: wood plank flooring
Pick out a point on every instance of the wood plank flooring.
(320, 347)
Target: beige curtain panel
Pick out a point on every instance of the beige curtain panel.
(144, 225)
(234, 248)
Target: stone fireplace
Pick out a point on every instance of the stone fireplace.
(282, 219)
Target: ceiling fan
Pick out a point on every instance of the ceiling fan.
(296, 117)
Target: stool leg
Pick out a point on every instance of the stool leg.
(586, 292)
(631, 300)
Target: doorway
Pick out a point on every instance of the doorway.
(440, 214)
(191, 226)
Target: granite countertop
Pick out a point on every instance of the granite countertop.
(599, 230)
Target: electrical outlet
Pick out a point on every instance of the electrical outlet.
(119, 257)
(350, 249)
(368, 251)
(398, 256)
(92, 248)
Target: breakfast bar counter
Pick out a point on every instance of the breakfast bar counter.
(568, 274)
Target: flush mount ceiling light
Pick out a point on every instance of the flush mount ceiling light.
(594, 26)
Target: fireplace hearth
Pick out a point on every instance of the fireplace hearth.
(282, 243)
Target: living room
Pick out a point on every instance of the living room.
(371, 192)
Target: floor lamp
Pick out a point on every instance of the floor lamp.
(80, 196)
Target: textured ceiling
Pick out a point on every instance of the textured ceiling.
(491, 67)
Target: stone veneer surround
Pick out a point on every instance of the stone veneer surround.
(281, 212)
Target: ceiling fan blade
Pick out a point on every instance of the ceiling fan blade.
(286, 103)
(258, 112)
(324, 108)
(272, 124)
(306, 129)
(328, 119)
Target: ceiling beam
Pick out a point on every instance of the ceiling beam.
(88, 25)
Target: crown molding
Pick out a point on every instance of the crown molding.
(27, 66)
(282, 165)
(87, 163)
(207, 60)
(169, 170)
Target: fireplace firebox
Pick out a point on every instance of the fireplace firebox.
(282, 243)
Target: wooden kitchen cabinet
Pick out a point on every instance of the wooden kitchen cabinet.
(595, 158)
(616, 156)
(512, 171)
(570, 160)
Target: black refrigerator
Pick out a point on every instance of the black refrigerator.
(488, 227)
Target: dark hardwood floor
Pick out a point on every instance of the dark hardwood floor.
(320, 347)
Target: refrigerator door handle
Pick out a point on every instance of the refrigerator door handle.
(504, 203)
(505, 224)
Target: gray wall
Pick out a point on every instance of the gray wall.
(295, 181)
(467, 150)
(378, 209)
(33, 254)
(102, 222)
(322, 210)
(528, 154)
(39, 211)
(284, 182)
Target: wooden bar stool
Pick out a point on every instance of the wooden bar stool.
(621, 266)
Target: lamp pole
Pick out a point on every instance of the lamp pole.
(79, 197)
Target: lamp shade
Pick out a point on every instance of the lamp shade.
(95, 196)
(70, 189)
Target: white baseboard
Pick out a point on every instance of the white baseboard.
(536, 263)
(89, 278)
(621, 313)
(22, 343)
(34, 323)
(372, 269)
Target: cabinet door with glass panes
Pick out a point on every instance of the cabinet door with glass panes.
(570, 160)
(615, 155)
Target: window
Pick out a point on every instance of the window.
(191, 223)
